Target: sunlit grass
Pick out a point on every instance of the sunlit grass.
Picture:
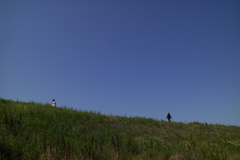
(38, 131)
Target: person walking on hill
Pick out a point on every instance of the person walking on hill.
(169, 117)
(54, 103)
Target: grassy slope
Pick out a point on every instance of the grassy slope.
(39, 131)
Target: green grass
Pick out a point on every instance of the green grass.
(39, 131)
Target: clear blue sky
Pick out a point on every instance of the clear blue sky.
(135, 58)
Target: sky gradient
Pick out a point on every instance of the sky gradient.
(133, 58)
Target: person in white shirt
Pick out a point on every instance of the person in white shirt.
(54, 103)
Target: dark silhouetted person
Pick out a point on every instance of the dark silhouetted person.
(54, 103)
(168, 117)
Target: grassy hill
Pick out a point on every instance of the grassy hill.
(39, 131)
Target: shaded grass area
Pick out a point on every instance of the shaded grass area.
(38, 131)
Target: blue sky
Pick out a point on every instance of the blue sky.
(133, 58)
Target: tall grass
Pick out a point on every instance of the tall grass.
(38, 131)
